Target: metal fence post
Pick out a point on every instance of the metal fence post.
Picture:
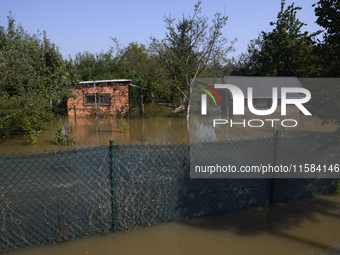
(271, 199)
(114, 224)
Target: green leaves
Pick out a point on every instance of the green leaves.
(64, 139)
(328, 17)
(285, 51)
(32, 75)
(190, 48)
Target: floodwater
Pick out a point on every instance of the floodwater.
(158, 125)
(305, 226)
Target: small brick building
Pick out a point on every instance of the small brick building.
(101, 96)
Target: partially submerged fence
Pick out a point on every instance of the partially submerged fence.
(59, 195)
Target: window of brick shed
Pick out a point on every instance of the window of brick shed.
(102, 99)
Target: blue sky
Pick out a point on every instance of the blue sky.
(77, 26)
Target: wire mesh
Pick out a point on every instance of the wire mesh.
(60, 195)
(54, 197)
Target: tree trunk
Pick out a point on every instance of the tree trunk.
(188, 107)
(188, 110)
(153, 98)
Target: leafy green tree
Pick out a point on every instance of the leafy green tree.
(98, 66)
(136, 63)
(285, 51)
(328, 17)
(189, 48)
(131, 62)
(217, 70)
(32, 75)
(326, 104)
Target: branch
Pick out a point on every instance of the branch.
(15, 113)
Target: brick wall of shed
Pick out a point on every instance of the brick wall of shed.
(119, 99)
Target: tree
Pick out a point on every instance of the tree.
(326, 104)
(328, 17)
(189, 48)
(124, 62)
(32, 75)
(135, 62)
(285, 51)
(98, 66)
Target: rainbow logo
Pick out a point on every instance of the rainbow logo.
(208, 92)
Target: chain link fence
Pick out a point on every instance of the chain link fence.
(54, 196)
(60, 195)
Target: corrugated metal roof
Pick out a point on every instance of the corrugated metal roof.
(102, 81)
(262, 86)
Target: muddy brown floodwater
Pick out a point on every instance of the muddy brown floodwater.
(304, 226)
(158, 125)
